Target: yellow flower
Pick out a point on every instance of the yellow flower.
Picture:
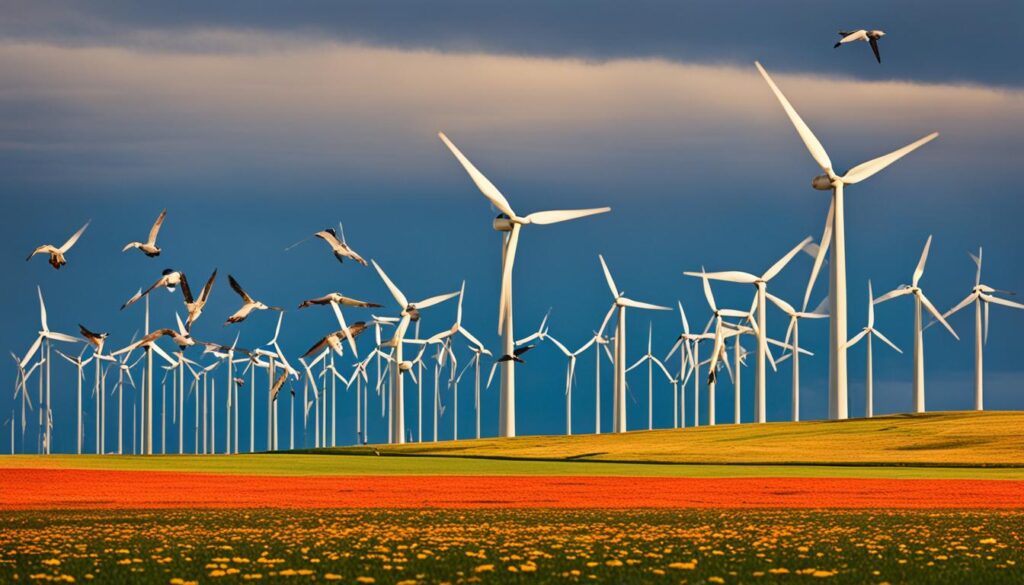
(484, 569)
(684, 566)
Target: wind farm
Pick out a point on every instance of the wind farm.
(701, 424)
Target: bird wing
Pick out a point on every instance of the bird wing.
(330, 238)
(153, 231)
(185, 290)
(205, 293)
(74, 238)
(238, 289)
(874, 48)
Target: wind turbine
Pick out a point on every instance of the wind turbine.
(761, 284)
(570, 374)
(409, 312)
(793, 333)
(919, 300)
(619, 305)
(830, 181)
(867, 333)
(48, 336)
(79, 364)
(718, 348)
(651, 360)
(21, 385)
(686, 356)
(982, 297)
(509, 223)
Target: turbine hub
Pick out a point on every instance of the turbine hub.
(502, 223)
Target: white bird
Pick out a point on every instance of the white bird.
(338, 299)
(340, 247)
(249, 304)
(95, 339)
(169, 279)
(57, 258)
(869, 36)
(194, 305)
(149, 247)
(333, 340)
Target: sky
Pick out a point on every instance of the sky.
(257, 126)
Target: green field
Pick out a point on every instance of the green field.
(988, 445)
(493, 546)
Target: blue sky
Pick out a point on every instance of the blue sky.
(256, 128)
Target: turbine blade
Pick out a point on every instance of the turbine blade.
(892, 295)
(435, 300)
(778, 266)
(397, 294)
(938, 316)
(482, 183)
(608, 277)
(549, 217)
(727, 276)
(506, 275)
(810, 141)
(865, 170)
(919, 271)
(885, 339)
(826, 240)
(640, 305)
(856, 338)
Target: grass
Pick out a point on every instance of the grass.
(943, 439)
(957, 445)
(494, 546)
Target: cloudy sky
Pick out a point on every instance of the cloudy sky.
(257, 125)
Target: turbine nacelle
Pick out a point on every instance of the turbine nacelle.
(822, 183)
(502, 223)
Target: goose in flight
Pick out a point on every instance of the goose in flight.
(339, 247)
(334, 339)
(149, 247)
(194, 306)
(869, 36)
(338, 299)
(179, 336)
(277, 385)
(57, 254)
(249, 304)
(169, 279)
(95, 339)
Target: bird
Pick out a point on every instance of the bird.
(95, 339)
(169, 279)
(334, 339)
(248, 304)
(239, 381)
(181, 339)
(194, 306)
(277, 385)
(339, 299)
(149, 247)
(515, 354)
(869, 36)
(340, 248)
(57, 258)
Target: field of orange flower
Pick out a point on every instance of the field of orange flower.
(517, 546)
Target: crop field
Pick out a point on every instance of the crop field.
(468, 546)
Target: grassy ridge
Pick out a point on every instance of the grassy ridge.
(941, 439)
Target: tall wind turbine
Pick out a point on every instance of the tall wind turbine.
(79, 364)
(509, 223)
(982, 297)
(409, 312)
(867, 333)
(793, 333)
(830, 181)
(619, 304)
(919, 301)
(761, 284)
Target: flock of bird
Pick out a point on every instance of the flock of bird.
(320, 372)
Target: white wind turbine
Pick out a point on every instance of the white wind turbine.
(718, 349)
(761, 284)
(79, 364)
(688, 345)
(409, 312)
(919, 300)
(867, 333)
(651, 361)
(793, 333)
(21, 385)
(570, 374)
(509, 223)
(982, 297)
(48, 336)
(830, 181)
(619, 306)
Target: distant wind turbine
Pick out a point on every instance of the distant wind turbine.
(867, 334)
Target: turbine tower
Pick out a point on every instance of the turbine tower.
(509, 223)
(830, 181)
(919, 301)
(619, 304)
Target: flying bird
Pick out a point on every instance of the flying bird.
(339, 299)
(869, 36)
(169, 279)
(339, 247)
(249, 304)
(194, 306)
(516, 353)
(149, 247)
(277, 385)
(334, 339)
(95, 339)
(57, 254)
